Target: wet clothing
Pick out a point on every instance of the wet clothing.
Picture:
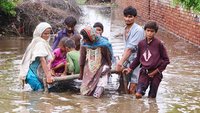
(152, 56)
(95, 59)
(145, 81)
(73, 62)
(60, 58)
(101, 42)
(96, 63)
(30, 64)
(135, 35)
(61, 34)
(32, 77)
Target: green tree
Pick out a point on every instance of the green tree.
(8, 6)
(193, 5)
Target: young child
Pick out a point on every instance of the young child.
(76, 39)
(72, 57)
(99, 29)
(154, 59)
(58, 63)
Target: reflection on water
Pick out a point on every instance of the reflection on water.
(179, 91)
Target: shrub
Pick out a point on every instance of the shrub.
(193, 5)
(8, 6)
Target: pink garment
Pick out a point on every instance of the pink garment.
(59, 58)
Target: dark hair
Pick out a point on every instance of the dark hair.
(76, 39)
(98, 24)
(84, 34)
(151, 25)
(70, 21)
(62, 42)
(70, 43)
(130, 11)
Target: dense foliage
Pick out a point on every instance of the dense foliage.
(8, 6)
(193, 5)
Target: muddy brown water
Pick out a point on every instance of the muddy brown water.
(178, 92)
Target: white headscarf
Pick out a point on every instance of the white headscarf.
(38, 47)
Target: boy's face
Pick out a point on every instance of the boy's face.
(129, 19)
(70, 29)
(99, 31)
(150, 33)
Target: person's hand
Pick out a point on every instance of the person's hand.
(64, 73)
(126, 71)
(153, 73)
(53, 73)
(119, 67)
(49, 79)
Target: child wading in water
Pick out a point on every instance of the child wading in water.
(58, 64)
(153, 57)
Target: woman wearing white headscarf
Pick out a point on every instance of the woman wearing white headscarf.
(36, 58)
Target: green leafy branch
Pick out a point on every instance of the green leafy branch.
(193, 5)
(8, 6)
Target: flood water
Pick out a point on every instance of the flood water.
(178, 92)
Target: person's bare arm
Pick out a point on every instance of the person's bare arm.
(82, 61)
(46, 69)
(125, 56)
(65, 70)
(106, 53)
(51, 61)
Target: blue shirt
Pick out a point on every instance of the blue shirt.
(61, 34)
(135, 35)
